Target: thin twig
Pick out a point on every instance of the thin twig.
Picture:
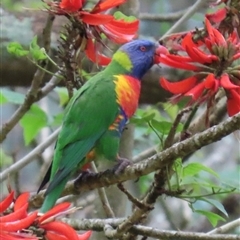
(169, 215)
(131, 198)
(99, 225)
(195, 127)
(162, 17)
(54, 81)
(30, 156)
(32, 94)
(170, 138)
(154, 192)
(103, 197)
(157, 161)
(226, 227)
(195, 7)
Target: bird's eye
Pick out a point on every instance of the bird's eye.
(143, 48)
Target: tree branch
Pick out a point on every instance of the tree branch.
(103, 197)
(32, 95)
(198, 4)
(226, 227)
(162, 17)
(153, 163)
(30, 156)
(99, 225)
(195, 127)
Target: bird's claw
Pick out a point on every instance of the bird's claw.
(121, 165)
(84, 174)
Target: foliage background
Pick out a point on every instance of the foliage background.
(169, 213)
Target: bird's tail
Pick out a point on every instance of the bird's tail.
(52, 197)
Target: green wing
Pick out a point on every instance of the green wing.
(88, 116)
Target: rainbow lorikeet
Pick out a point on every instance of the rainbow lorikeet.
(96, 115)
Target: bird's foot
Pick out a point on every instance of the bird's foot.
(85, 174)
(121, 165)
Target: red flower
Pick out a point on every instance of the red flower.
(71, 5)
(95, 23)
(212, 59)
(14, 225)
(19, 219)
(217, 16)
(227, 17)
(56, 229)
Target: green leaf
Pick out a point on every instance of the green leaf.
(119, 16)
(37, 53)
(16, 49)
(161, 126)
(32, 122)
(194, 168)
(171, 110)
(62, 94)
(57, 120)
(177, 167)
(191, 180)
(213, 218)
(215, 203)
(8, 96)
(143, 116)
(144, 182)
(5, 159)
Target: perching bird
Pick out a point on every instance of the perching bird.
(96, 115)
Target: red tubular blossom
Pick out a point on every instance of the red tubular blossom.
(71, 5)
(19, 224)
(199, 56)
(233, 102)
(115, 36)
(179, 87)
(107, 4)
(180, 58)
(196, 92)
(95, 23)
(212, 59)
(120, 31)
(55, 210)
(61, 229)
(210, 81)
(166, 59)
(124, 27)
(217, 16)
(219, 39)
(16, 215)
(226, 83)
(13, 236)
(187, 41)
(85, 236)
(6, 202)
(21, 201)
(95, 19)
(209, 30)
(236, 56)
(94, 56)
(55, 236)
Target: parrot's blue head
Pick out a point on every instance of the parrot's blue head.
(137, 57)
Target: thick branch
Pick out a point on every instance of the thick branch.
(153, 163)
(99, 225)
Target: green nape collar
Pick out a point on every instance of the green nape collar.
(123, 59)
